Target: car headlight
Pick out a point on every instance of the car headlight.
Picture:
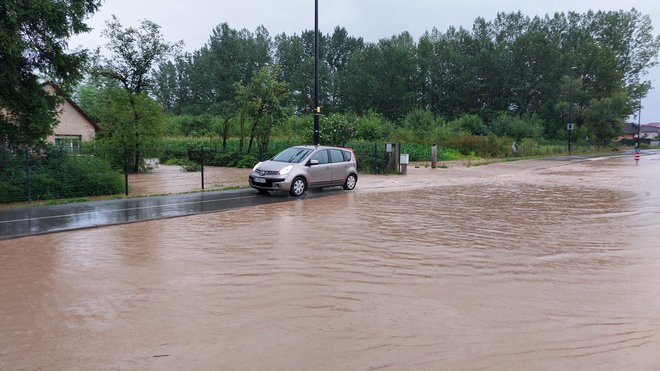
(285, 170)
(256, 166)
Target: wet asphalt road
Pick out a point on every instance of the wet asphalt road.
(20, 222)
(524, 265)
(28, 221)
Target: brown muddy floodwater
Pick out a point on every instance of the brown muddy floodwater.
(164, 179)
(531, 265)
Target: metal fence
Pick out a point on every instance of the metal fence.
(57, 172)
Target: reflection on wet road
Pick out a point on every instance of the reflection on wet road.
(29, 221)
(549, 269)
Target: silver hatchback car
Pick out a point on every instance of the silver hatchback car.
(298, 168)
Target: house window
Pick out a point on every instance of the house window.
(70, 143)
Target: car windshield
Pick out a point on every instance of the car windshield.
(292, 155)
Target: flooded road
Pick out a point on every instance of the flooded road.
(525, 265)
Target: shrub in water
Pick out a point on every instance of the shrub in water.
(248, 161)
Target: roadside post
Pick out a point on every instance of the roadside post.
(126, 171)
(393, 150)
(404, 163)
(637, 153)
(570, 127)
(201, 161)
(434, 156)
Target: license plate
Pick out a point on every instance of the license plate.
(259, 180)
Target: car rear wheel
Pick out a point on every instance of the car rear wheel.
(298, 187)
(350, 182)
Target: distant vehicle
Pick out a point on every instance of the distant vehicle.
(299, 168)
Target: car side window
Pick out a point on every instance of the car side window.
(321, 156)
(336, 155)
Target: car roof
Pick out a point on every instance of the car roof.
(309, 146)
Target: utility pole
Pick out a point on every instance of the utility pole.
(570, 126)
(317, 108)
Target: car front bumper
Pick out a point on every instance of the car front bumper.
(269, 183)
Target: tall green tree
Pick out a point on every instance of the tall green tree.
(117, 109)
(397, 78)
(295, 55)
(133, 55)
(451, 87)
(296, 59)
(167, 87)
(340, 47)
(34, 38)
(358, 88)
(264, 101)
(382, 77)
(629, 35)
(202, 82)
(512, 65)
(603, 118)
(425, 67)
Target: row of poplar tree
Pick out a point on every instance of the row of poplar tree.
(592, 65)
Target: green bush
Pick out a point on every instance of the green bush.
(296, 128)
(449, 154)
(529, 126)
(422, 152)
(420, 121)
(248, 161)
(229, 159)
(186, 165)
(57, 174)
(115, 156)
(92, 177)
(373, 127)
(473, 124)
(446, 131)
(12, 178)
(417, 152)
(334, 130)
(481, 146)
(174, 162)
(192, 125)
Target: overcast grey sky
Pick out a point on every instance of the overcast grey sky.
(193, 20)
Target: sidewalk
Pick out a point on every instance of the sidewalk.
(27, 221)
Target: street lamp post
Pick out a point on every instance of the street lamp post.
(317, 108)
(570, 126)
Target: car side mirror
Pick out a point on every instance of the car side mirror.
(313, 162)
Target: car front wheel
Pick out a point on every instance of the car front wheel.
(350, 182)
(298, 187)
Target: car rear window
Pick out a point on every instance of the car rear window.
(292, 155)
(347, 155)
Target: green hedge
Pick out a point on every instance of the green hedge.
(55, 174)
